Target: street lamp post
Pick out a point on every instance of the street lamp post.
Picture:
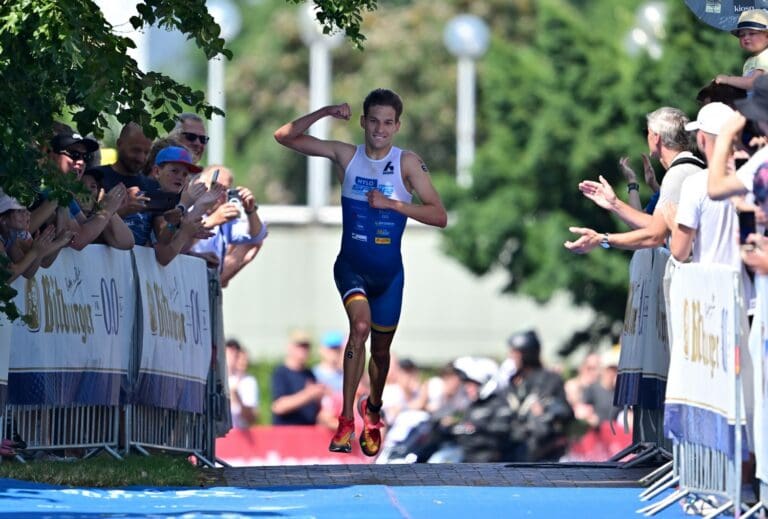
(320, 46)
(466, 37)
(226, 14)
(648, 31)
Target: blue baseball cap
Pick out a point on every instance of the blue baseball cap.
(177, 154)
(332, 339)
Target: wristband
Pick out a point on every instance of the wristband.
(633, 186)
(255, 208)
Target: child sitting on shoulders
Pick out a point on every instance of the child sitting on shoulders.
(752, 31)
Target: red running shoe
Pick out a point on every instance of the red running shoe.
(345, 433)
(370, 439)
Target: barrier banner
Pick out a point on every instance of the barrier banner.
(5, 355)
(176, 338)
(284, 445)
(758, 347)
(700, 403)
(75, 346)
(644, 361)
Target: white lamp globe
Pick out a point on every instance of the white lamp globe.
(467, 36)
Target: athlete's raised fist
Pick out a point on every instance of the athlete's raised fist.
(341, 111)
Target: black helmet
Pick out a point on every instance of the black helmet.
(527, 343)
(524, 341)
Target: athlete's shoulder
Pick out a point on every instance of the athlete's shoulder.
(345, 152)
(411, 161)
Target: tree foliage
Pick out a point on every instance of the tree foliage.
(64, 61)
(346, 15)
(561, 106)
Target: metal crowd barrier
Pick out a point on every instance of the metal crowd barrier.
(89, 427)
(698, 470)
(120, 428)
(149, 427)
(167, 430)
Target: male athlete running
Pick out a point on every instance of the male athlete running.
(377, 180)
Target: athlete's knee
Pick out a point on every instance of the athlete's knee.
(360, 329)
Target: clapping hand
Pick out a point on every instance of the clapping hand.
(626, 169)
(588, 240)
(601, 193)
(650, 174)
(113, 200)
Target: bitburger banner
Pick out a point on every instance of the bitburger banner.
(175, 350)
(700, 405)
(73, 347)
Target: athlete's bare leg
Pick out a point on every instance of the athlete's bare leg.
(378, 368)
(359, 314)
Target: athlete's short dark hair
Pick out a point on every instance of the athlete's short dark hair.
(383, 97)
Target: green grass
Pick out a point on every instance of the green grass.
(104, 471)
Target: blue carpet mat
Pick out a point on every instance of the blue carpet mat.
(20, 499)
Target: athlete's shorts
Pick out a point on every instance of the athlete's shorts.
(384, 293)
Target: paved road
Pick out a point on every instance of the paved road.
(460, 474)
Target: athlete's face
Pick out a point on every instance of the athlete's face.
(380, 127)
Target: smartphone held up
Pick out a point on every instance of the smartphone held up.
(747, 226)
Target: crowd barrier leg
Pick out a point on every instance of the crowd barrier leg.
(668, 481)
(218, 417)
(761, 504)
(655, 508)
(659, 474)
(645, 446)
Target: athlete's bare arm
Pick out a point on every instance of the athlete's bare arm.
(293, 135)
(416, 178)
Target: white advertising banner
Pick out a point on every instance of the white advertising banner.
(758, 347)
(644, 357)
(5, 355)
(700, 400)
(75, 345)
(176, 337)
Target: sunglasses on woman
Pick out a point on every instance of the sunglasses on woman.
(76, 155)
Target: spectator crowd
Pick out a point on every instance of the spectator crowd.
(155, 195)
(472, 409)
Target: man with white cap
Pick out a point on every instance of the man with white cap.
(706, 228)
(752, 177)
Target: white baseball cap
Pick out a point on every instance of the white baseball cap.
(711, 118)
(8, 203)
